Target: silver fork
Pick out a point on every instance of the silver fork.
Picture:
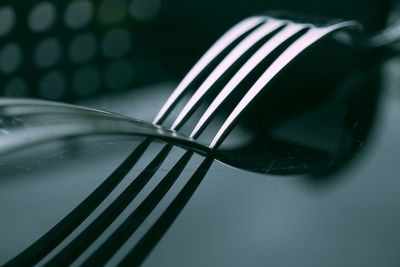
(293, 37)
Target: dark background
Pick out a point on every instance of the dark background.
(72, 50)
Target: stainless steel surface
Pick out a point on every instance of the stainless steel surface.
(28, 122)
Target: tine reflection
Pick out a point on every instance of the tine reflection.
(129, 226)
(139, 253)
(97, 227)
(35, 252)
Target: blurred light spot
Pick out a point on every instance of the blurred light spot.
(78, 14)
(16, 87)
(7, 19)
(10, 58)
(119, 75)
(86, 81)
(82, 48)
(116, 43)
(47, 53)
(112, 11)
(42, 17)
(52, 85)
(144, 10)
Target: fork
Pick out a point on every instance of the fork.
(261, 33)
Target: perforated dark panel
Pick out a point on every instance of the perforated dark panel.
(63, 50)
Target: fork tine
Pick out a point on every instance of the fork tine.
(311, 36)
(261, 53)
(222, 43)
(225, 64)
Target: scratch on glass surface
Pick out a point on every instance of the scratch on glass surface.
(271, 166)
(356, 123)
(24, 167)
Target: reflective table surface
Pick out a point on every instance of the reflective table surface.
(235, 217)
